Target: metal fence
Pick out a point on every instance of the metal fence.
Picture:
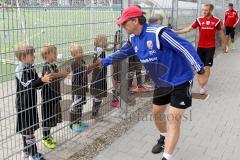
(63, 23)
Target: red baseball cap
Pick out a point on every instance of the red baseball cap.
(130, 12)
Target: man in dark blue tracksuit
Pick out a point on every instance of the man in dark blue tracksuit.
(171, 62)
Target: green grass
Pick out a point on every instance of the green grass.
(59, 26)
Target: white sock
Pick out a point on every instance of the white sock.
(163, 134)
(167, 156)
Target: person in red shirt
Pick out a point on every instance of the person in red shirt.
(208, 25)
(230, 23)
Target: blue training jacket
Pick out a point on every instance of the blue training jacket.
(166, 56)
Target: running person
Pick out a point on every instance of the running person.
(230, 22)
(155, 44)
(208, 26)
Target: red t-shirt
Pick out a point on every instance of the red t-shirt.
(231, 18)
(207, 31)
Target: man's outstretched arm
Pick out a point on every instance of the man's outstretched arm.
(184, 30)
(124, 52)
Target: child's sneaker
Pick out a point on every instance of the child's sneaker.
(115, 104)
(53, 140)
(49, 143)
(25, 155)
(76, 127)
(84, 123)
(37, 156)
(140, 89)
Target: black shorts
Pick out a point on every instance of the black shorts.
(179, 96)
(206, 55)
(230, 31)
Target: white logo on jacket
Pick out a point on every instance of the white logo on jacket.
(136, 49)
(150, 44)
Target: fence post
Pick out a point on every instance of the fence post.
(174, 13)
(124, 72)
(214, 2)
(199, 9)
(223, 4)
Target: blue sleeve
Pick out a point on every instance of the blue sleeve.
(124, 52)
(182, 46)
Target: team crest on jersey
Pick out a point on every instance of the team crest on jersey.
(150, 44)
(208, 22)
(136, 49)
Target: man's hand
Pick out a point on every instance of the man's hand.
(235, 25)
(184, 30)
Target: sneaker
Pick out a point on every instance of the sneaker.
(49, 143)
(203, 91)
(84, 124)
(37, 156)
(25, 155)
(76, 127)
(139, 89)
(53, 140)
(159, 147)
(115, 104)
(164, 158)
(227, 49)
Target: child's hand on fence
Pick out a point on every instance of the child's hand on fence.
(68, 70)
(47, 78)
(98, 64)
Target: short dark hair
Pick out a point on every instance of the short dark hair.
(209, 5)
(230, 4)
(142, 20)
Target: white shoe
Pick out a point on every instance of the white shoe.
(25, 155)
(37, 156)
(227, 49)
(203, 91)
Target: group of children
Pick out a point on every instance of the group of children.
(28, 82)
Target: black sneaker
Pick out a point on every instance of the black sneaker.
(164, 158)
(159, 147)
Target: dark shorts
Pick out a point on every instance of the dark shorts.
(51, 113)
(27, 120)
(230, 31)
(206, 55)
(178, 97)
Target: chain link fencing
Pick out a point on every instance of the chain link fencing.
(69, 25)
